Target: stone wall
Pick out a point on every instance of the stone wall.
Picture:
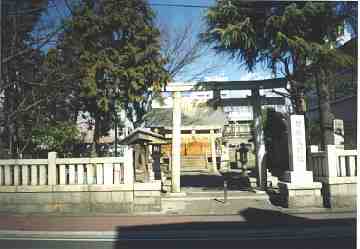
(120, 202)
(81, 199)
(342, 195)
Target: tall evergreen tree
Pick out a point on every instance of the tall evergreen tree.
(114, 48)
(292, 38)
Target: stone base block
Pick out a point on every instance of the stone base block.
(341, 195)
(298, 177)
(80, 202)
(295, 196)
(253, 182)
(272, 182)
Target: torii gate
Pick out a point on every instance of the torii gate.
(216, 86)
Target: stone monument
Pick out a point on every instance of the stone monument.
(297, 187)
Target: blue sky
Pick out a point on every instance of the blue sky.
(176, 18)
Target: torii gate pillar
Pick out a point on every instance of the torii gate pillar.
(176, 143)
(259, 142)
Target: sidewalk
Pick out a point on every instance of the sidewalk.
(174, 211)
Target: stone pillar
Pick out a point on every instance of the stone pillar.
(156, 162)
(144, 163)
(213, 151)
(71, 174)
(176, 143)
(52, 168)
(259, 142)
(129, 177)
(297, 187)
(150, 162)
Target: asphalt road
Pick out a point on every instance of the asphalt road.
(184, 244)
(334, 233)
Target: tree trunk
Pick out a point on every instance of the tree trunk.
(326, 116)
(95, 147)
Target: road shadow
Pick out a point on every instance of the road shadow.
(214, 182)
(260, 229)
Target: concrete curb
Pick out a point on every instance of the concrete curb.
(272, 233)
(215, 197)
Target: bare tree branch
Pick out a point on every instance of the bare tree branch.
(182, 50)
(30, 49)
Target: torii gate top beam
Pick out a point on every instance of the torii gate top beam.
(226, 85)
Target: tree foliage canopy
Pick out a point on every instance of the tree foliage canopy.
(114, 49)
(295, 39)
(274, 32)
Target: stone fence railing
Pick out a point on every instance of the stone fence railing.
(30, 174)
(333, 164)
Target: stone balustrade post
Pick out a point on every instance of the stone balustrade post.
(331, 162)
(99, 174)
(34, 177)
(72, 174)
(16, 175)
(62, 174)
(129, 166)
(52, 168)
(25, 175)
(7, 175)
(108, 174)
(42, 175)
